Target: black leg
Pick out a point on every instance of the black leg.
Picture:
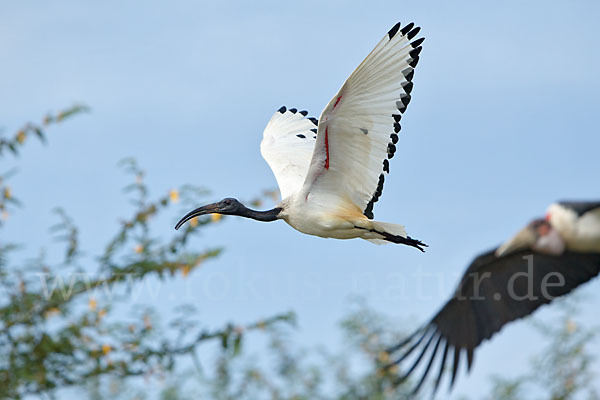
(405, 240)
(399, 239)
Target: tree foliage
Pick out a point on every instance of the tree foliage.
(563, 370)
(56, 328)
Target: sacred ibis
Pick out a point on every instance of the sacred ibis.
(547, 259)
(331, 171)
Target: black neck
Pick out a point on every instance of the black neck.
(264, 216)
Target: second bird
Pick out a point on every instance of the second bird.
(545, 260)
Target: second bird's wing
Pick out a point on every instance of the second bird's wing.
(358, 130)
(287, 146)
(492, 292)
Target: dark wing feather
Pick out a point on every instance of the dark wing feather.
(492, 292)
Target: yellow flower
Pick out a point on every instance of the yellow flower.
(101, 313)
(571, 326)
(194, 222)
(374, 338)
(21, 135)
(51, 311)
(174, 195)
(147, 322)
(215, 217)
(185, 270)
(569, 383)
(138, 248)
(106, 348)
(92, 304)
(7, 192)
(383, 356)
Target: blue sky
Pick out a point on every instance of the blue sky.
(502, 123)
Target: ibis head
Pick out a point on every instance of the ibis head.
(539, 235)
(230, 206)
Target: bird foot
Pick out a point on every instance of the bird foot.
(414, 243)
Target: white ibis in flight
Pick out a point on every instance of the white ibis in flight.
(547, 259)
(331, 171)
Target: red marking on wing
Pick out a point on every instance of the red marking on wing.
(337, 101)
(548, 216)
(327, 147)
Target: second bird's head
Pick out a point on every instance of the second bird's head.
(539, 235)
(228, 206)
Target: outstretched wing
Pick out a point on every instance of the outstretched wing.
(492, 292)
(358, 130)
(287, 146)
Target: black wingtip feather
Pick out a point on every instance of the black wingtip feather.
(470, 355)
(426, 372)
(394, 30)
(413, 63)
(413, 33)
(409, 77)
(418, 360)
(417, 42)
(441, 371)
(408, 340)
(405, 99)
(391, 150)
(415, 345)
(293, 110)
(415, 52)
(454, 367)
(282, 109)
(407, 87)
(407, 28)
(304, 113)
(369, 211)
(401, 107)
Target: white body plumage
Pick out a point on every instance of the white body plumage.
(580, 232)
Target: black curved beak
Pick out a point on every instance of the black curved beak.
(208, 209)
